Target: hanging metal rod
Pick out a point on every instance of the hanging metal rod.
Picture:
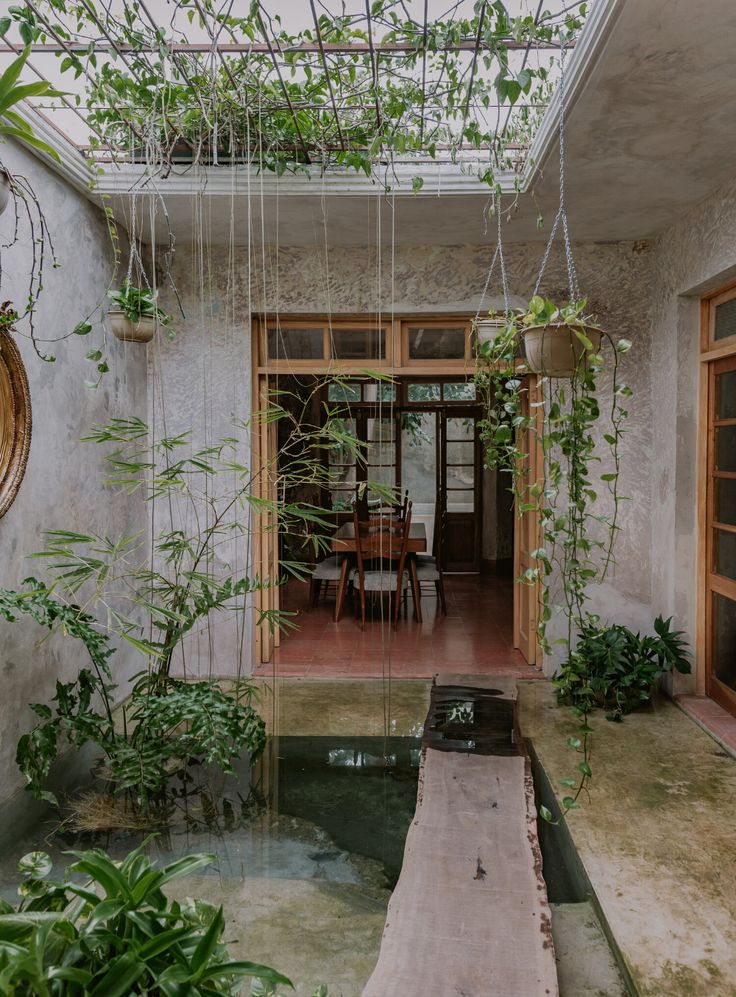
(265, 48)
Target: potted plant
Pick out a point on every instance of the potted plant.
(12, 124)
(136, 314)
(557, 340)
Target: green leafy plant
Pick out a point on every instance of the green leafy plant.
(161, 733)
(137, 303)
(116, 934)
(153, 598)
(566, 426)
(575, 493)
(615, 669)
(357, 109)
(12, 91)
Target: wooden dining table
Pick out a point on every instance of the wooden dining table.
(344, 542)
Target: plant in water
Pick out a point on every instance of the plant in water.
(615, 669)
(157, 599)
(112, 931)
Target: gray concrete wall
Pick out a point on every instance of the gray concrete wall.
(204, 374)
(63, 486)
(693, 257)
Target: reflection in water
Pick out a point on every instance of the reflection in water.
(334, 809)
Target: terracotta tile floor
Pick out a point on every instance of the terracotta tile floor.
(475, 636)
(712, 718)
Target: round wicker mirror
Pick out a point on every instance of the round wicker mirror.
(15, 421)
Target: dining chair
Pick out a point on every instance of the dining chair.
(429, 566)
(381, 569)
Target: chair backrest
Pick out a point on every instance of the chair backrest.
(381, 544)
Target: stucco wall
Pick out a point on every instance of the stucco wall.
(62, 488)
(206, 367)
(694, 256)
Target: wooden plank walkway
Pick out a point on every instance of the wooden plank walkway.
(469, 916)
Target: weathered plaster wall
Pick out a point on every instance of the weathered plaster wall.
(207, 365)
(694, 256)
(63, 485)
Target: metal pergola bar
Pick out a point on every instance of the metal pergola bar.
(269, 46)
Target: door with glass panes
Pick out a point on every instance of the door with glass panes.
(422, 438)
(721, 534)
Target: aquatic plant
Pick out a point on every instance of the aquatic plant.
(112, 932)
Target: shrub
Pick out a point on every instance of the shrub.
(615, 669)
(117, 934)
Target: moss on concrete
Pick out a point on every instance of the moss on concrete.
(656, 837)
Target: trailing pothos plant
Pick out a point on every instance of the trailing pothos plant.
(109, 929)
(576, 491)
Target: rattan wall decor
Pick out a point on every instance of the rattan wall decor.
(15, 421)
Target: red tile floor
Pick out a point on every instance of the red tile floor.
(474, 638)
(712, 718)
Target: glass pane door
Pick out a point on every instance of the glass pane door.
(721, 534)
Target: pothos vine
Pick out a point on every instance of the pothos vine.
(565, 425)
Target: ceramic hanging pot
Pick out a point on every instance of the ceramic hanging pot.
(555, 350)
(5, 189)
(132, 332)
(488, 329)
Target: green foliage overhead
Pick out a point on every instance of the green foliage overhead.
(117, 935)
(342, 102)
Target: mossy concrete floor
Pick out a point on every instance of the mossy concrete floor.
(313, 932)
(343, 707)
(657, 839)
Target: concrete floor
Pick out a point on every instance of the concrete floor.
(657, 839)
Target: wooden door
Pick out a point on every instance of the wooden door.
(459, 492)
(720, 552)
(526, 539)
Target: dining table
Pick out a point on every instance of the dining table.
(344, 542)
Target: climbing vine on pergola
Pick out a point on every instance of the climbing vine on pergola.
(354, 89)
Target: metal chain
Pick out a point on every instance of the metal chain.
(497, 256)
(572, 276)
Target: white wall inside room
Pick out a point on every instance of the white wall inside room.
(222, 288)
(63, 485)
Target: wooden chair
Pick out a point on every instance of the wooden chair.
(381, 557)
(429, 566)
(325, 570)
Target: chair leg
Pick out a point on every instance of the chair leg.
(313, 589)
(440, 586)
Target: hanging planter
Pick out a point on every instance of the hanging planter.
(129, 330)
(488, 329)
(559, 350)
(136, 316)
(557, 340)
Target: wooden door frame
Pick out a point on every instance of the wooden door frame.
(264, 443)
(714, 353)
(529, 522)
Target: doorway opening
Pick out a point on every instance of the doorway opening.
(418, 432)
